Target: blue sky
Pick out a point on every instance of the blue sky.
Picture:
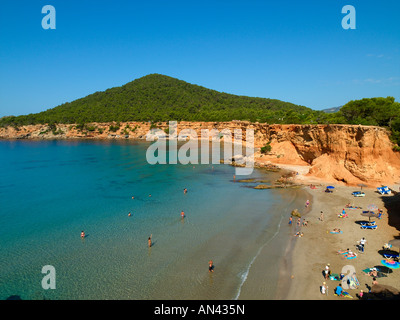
(295, 51)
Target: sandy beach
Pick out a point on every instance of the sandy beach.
(301, 271)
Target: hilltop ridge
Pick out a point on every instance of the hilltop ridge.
(157, 97)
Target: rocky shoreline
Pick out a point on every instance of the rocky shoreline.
(344, 154)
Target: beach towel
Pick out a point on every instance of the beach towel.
(335, 232)
(379, 273)
(345, 295)
(353, 282)
(334, 276)
(390, 264)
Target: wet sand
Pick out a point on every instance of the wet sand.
(263, 274)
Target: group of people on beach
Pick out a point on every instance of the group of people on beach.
(300, 222)
(349, 254)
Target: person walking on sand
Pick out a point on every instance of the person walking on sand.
(324, 288)
(362, 244)
(290, 220)
(327, 271)
(321, 217)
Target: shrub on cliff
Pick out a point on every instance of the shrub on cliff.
(267, 148)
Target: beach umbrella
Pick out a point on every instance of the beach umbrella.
(362, 185)
(369, 214)
(372, 207)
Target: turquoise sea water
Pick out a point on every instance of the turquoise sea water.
(52, 190)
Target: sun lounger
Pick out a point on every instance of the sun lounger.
(372, 223)
(391, 255)
(384, 190)
(369, 227)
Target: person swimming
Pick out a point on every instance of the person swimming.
(185, 191)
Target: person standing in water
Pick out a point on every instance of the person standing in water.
(83, 234)
(182, 214)
(149, 241)
(185, 191)
(210, 266)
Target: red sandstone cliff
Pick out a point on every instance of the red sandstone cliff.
(351, 154)
(336, 153)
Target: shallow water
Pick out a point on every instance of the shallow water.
(52, 190)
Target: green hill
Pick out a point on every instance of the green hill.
(157, 98)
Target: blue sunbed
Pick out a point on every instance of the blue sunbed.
(369, 227)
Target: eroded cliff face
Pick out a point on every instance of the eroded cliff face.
(350, 154)
(334, 153)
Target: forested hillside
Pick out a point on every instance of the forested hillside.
(161, 98)
(158, 98)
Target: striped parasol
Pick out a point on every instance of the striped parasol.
(372, 207)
